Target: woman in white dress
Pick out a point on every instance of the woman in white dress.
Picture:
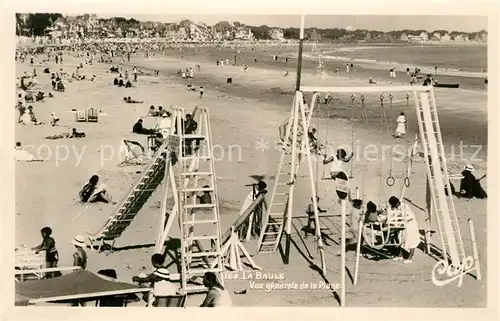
(401, 128)
(410, 235)
(217, 295)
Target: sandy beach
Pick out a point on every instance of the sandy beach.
(243, 115)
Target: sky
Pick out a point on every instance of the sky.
(371, 22)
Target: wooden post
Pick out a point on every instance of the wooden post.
(299, 58)
(343, 204)
(343, 191)
(474, 248)
(163, 210)
(305, 148)
(428, 220)
(358, 250)
(293, 170)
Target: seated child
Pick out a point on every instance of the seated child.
(371, 213)
(93, 192)
(152, 111)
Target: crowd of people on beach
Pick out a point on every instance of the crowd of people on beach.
(94, 191)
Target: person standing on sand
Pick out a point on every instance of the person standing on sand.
(356, 216)
(49, 246)
(410, 235)
(401, 126)
(80, 256)
(134, 72)
(310, 216)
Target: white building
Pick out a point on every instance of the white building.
(276, 34)
(446, 37)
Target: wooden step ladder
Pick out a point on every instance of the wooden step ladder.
(134, 200)
(275, 219)
(281, 201)
(199, 222)
(439, 180)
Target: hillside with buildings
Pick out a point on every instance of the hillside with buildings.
(57, 26)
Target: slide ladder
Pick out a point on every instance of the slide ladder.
(134, 200)
(439, 181)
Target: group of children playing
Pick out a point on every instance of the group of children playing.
(377, 218)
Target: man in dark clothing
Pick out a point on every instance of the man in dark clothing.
(428, 81)
(189, 127)
(470, 186)
(139, 129)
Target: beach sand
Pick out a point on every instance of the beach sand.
(242, 114)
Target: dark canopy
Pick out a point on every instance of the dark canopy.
(81, 282)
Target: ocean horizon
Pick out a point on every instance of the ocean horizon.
(455, 58)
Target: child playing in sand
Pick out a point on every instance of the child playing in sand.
(356, 216)
(49, 246)
(310, 216)
(80, 256)
(93, 192)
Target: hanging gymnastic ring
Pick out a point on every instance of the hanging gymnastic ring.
(390, 181)
(362, 97)
(353, 97)
(407, 182)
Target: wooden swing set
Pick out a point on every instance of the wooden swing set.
(297, 145)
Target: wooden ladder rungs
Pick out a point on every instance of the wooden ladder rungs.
(196, 173)
(198, 189)
(200, 222)
(202, 254)
(199, 206)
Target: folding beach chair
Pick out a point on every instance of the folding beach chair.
(134, 152)
(92, 115)
(173, 301)
(81, 115)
